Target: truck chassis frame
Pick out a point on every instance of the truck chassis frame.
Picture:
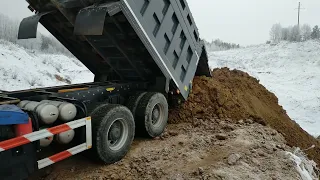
(86, 97)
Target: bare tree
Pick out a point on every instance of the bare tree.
(219, 45)
(285, 34)
(306, 32)
(7, 29)
(295, 34)
(276, 33)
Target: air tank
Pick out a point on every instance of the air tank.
(47, 113)
(67, 111)
(23, 103)
(65, 137)
(45, 142)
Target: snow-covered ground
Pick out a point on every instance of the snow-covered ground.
(23, 69)
(290, 70)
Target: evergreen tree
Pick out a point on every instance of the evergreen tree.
(315, 33)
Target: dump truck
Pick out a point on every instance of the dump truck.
(144, 55)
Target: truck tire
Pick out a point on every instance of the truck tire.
(133, 102)
(152, 115)
(113, 131)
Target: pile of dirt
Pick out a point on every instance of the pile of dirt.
(237, 96)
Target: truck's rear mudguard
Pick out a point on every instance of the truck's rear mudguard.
(28, 26)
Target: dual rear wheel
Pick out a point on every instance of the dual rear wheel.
(150, 111)
(114, 126)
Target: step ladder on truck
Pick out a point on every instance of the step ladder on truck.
(144, 55)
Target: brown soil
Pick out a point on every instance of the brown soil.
(61, 79)
(236, 95)
(219, 133)
(192, 151)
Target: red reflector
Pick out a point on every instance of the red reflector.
(59, 129)
(60, 156)
(23, 129)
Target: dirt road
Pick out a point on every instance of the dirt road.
(214, 149)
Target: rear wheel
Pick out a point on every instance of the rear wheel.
(113, 131)
(133, 102)
(152, 115)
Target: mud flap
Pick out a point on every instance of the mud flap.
(203, 68)
(90, 20)
(28, 26)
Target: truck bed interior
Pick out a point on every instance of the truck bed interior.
(126, 40)
(117, 54)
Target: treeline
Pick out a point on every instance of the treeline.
(219, 45)
(293, 33)
(48, 44)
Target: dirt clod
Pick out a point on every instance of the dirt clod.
(262, 154)
(233, 159)
(280, 146)
(221, 136)
(240, 121)
(228, 127)
(201, 171)
(173, 133)
(249, 121)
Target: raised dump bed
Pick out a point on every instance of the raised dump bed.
(126, 40)
(144, 54)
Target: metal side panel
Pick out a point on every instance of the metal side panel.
(203, 68)
(161, 26)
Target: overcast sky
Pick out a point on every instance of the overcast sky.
(238, 21)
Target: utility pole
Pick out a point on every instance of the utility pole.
(299, 9)
(299, 14)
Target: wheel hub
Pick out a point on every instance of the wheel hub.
(115, 132)
(155, 114)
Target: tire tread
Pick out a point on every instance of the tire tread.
(141, 123)
(100, 118)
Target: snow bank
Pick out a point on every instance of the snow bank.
(290, 70)
(307, 169)
(24, 69)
